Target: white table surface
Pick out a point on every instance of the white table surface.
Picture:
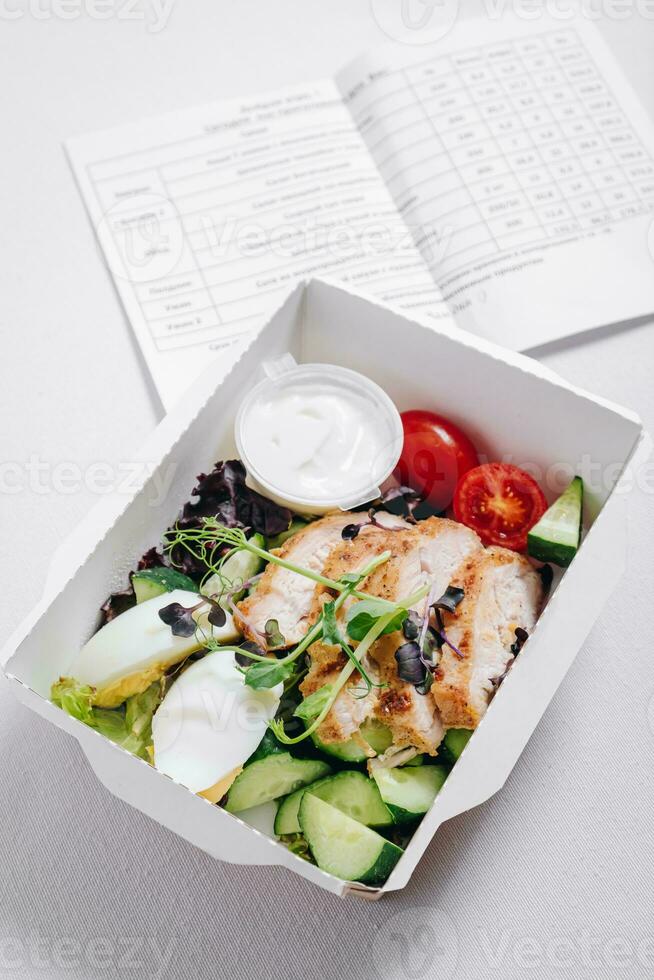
(552, 877)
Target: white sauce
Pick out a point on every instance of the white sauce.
(319, 442)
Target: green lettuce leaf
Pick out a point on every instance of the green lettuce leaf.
(129, 725)
(73, 698)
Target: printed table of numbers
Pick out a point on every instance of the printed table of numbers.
(506, 145)
(236, 204)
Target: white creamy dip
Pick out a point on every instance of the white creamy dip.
(319, 434)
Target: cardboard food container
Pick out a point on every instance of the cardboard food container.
(512, 407)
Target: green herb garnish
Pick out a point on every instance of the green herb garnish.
(311, 707)
(376, 630)
(201, 544)
(368, 619)
(364, 614)
(269, 673)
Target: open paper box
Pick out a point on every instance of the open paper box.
(512, 407)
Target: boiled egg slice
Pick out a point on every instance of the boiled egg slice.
(209, 724)
(137, 648)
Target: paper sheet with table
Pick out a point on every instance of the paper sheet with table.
(503, 178)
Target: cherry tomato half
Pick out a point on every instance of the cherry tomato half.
(435, 455)
(500, 502)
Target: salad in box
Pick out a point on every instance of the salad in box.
(327, 620)
(336, 660)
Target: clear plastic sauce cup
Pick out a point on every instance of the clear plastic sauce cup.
(317, 437)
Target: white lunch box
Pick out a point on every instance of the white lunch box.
(513, 409)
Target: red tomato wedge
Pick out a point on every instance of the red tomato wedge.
(500, 502)
(435, 455)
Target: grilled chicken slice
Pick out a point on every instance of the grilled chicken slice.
(428, 553)
(502, 591)
(350, 708)
(288, 597)
(411, 717)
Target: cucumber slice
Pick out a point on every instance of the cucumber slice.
(343, 846)
(151, 582)
(271, 777)
(278, 540)
(455, 742)
(350, 792)
(356, 795)
(377, 736)
(286, 819)
(408, 793)
(418, 760)
(556, 536)
(239, 567)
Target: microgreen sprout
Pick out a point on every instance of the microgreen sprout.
(201, 542)
(415, 658)
(274, 636)
(369, 619)
(376, 630)
(181, 620)
(266, 671)
(351, 531)
(331, 634)
(521, 637)
(256, 671)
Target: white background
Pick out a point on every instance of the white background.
(551, 878)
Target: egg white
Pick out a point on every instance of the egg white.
(137, 647)
(210, 723)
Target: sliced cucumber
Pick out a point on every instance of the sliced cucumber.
(278, 540)
(377, 736)
(408, 793)
(238, 568)
(151, 582)
(556, 536)
(455, 742)
(418, 760)
(286, 819)
(343, 846)
(271, 777)
(350, 792)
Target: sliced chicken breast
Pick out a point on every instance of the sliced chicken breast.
(427, 553)
(350, 708)
(429, 556)
(412, 718)
(287, 596)
(502, 591)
